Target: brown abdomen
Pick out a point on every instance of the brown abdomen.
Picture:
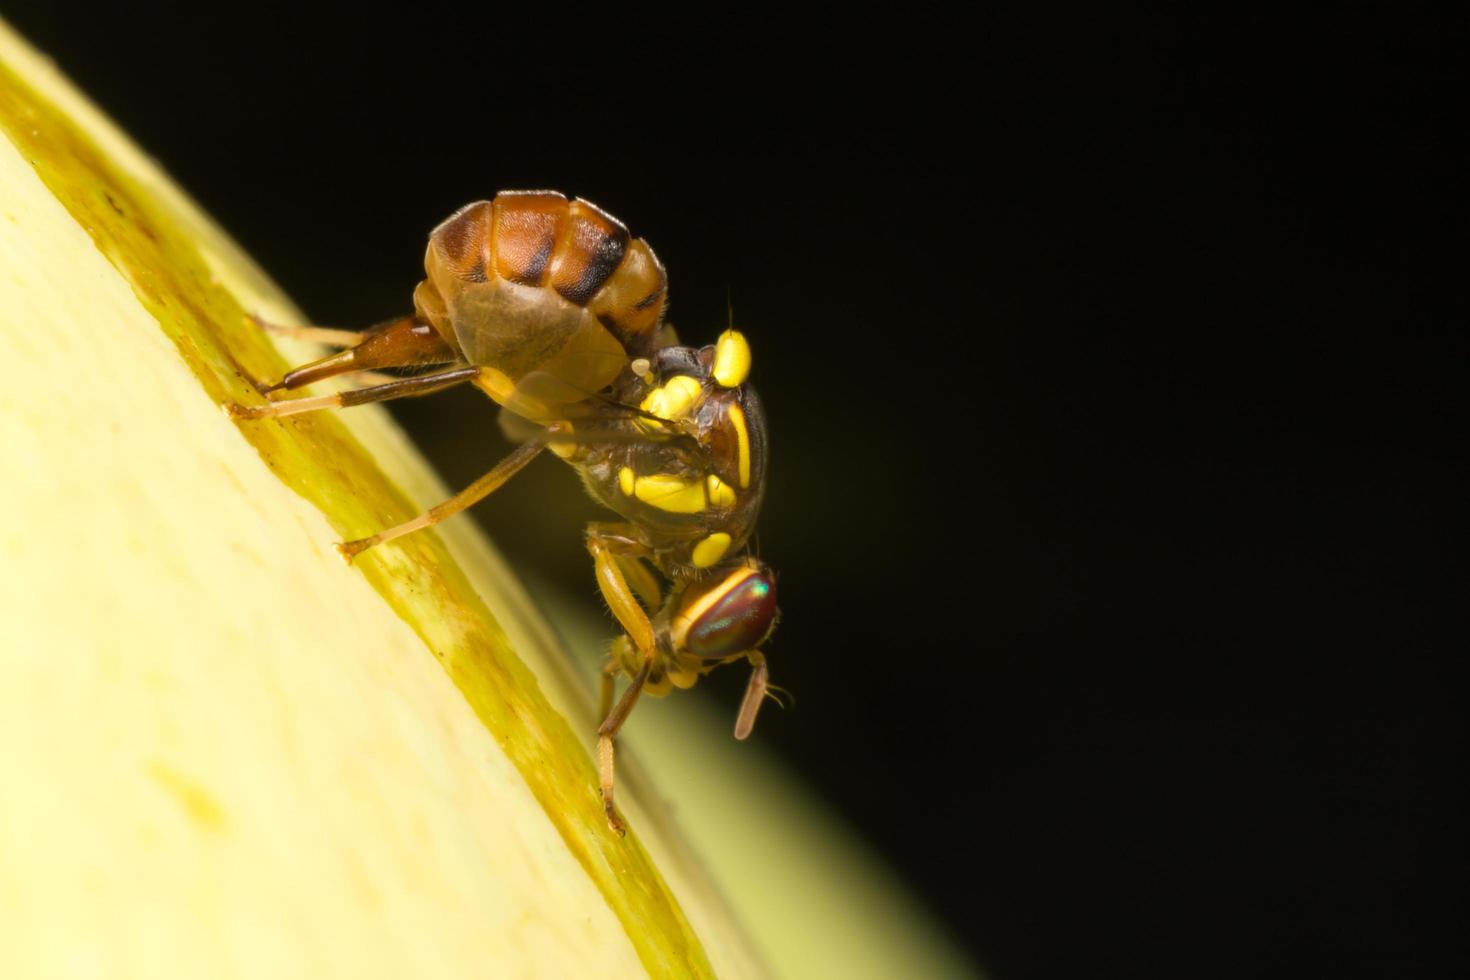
(540, 239)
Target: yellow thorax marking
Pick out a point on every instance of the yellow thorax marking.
(732, 359)
(673, 400)
(711, 549)
(742, 442)
(721, 494)
(676, 494)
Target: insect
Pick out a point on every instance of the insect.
(555, 311)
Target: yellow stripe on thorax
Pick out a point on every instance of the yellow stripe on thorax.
(742, 442)
(671, 401)
(710, 550)
(675, 494)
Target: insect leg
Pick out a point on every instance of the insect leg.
(325, 336)
(606, 732)
(472, 494)
(371, 379)
(405, 342)
(610, 671)
(755, 693)
(607, 547)
(402, 388)
(642, 581)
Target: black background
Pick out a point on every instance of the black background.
(1114, 371)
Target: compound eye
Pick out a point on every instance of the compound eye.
(734, 614)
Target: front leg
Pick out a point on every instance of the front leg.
(610, 549)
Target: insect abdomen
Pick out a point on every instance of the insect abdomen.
(571, 248)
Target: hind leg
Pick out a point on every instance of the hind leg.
(424, 384)
(326, 336)
(405, 342)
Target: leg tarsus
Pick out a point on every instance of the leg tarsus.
(606, 732)
(605, 776)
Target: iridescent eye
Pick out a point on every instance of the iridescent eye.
(733, 614)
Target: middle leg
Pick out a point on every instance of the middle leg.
(470, 495)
